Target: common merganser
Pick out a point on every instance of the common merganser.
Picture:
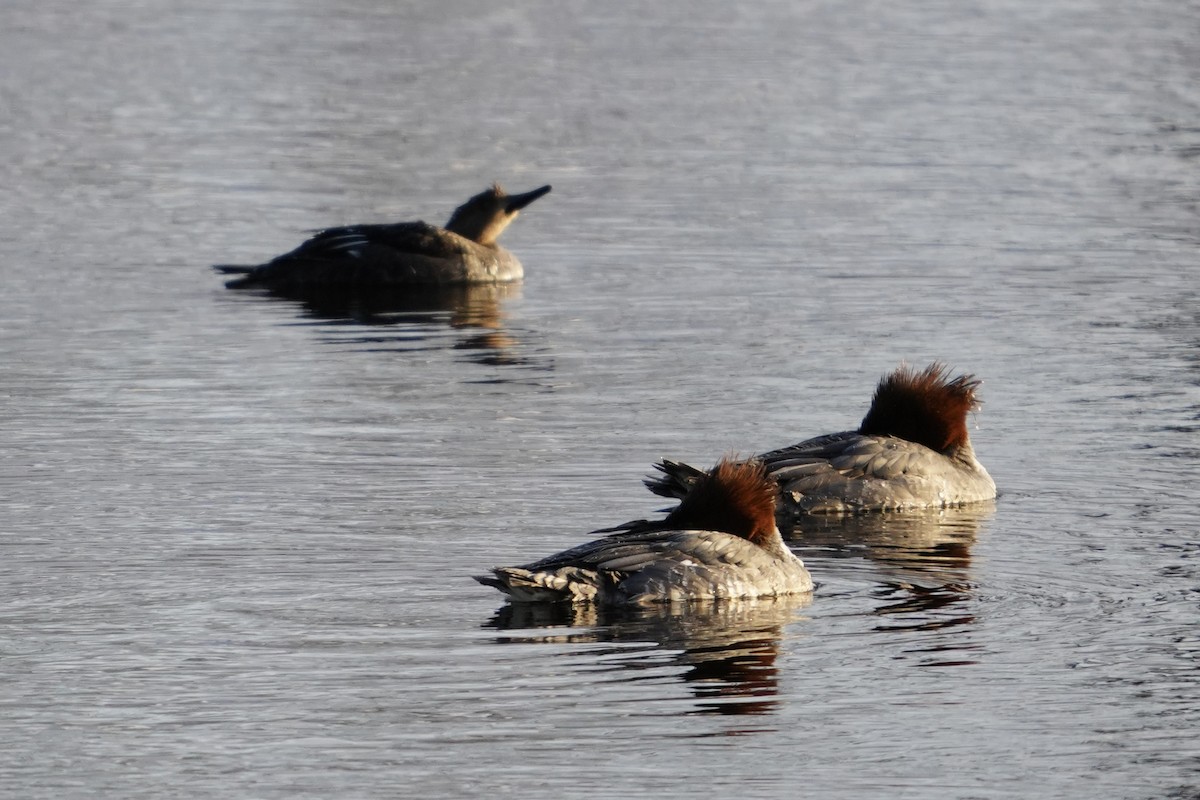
(720, 543)
(911, 451)
(356, 257)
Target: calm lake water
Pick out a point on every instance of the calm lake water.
(238, 533)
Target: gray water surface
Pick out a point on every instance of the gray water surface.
(238, 532)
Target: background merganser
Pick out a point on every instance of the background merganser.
(399, 254)
(720, 543)
(911, 451)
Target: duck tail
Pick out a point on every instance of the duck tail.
(246, 272)
(522, 585)
(676, 480)
(232, 269)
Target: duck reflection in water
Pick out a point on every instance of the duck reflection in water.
(918, 562)
(727, 650)
(464, 317)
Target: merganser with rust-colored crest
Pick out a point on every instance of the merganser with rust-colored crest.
(720, 543)
(358, 257)
(911, 451)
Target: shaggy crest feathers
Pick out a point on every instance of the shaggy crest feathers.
(736, 498)
(926, 406)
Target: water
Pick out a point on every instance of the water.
(238, 532)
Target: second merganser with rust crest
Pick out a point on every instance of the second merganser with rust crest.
(911, 451)
(720, 543)
(364, 257)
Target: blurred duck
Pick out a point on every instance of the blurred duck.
(720, 543)
(401, 254)
(911, 451)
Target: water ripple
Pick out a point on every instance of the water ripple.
(724, 652)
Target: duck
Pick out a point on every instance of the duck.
(911, 451)
(386, 256)
(720, 543)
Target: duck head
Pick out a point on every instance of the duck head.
(733, 497)
(928, 407)
(485, 216)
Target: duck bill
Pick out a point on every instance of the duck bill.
(518, 201)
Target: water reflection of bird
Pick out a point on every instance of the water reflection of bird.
(367, 257)
(912, 450)
(418, 318)
(918, 565)
(728, 649)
